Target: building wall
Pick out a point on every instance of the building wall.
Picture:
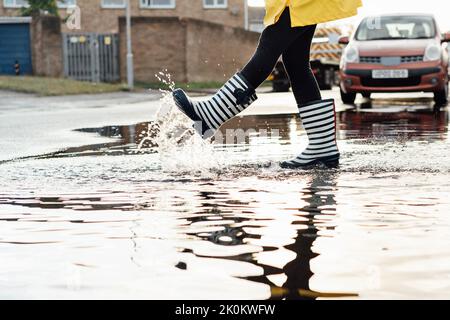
(182, 40)
(46, 47)
(158, 44)
(94, 18)
(218, 59)
(185, 48)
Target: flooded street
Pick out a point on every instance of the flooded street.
(127, 219)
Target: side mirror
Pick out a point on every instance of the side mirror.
(446, 37)
(345, 40)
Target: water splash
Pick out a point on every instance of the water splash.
(179, 147)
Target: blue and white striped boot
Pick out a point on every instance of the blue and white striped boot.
(233, 98)
(319, 121)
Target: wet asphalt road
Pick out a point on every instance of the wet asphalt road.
(38, 125)
(90, 215)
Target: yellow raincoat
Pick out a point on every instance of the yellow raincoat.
(308, 12)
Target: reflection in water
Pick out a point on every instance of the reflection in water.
(422, 124)
(292, 279)
(319, 195)
(71, 222)
(418, 124)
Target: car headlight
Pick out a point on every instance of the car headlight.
(351, 55)
(433, 52)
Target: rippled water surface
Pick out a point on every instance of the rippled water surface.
(224, 221)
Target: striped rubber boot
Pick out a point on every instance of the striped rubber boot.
(319, 121)
(233, 98)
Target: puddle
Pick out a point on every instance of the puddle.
(137, 218)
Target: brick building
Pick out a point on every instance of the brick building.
(102, 15)
(191, 50)
(167, 34)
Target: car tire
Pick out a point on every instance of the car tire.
(348, 98)
(281, 87)
(441, 97)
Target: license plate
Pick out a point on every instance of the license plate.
(390, 74)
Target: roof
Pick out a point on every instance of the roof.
(402, 14)
(5, 20)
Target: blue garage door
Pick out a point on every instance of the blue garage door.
(15, 46)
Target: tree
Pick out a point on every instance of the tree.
(39, 7)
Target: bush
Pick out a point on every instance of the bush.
(39, 7)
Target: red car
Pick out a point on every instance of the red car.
(395, 53)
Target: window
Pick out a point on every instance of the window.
(66, 3)
(158, 4)
(397, 27)
(113, 4)
(215, 4)
(14, 3)
(24, 3)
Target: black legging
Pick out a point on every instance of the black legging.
(294, 44)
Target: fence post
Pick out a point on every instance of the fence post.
(65, 56)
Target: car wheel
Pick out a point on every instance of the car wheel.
(348, 98)
(441, 97)
(281, 87)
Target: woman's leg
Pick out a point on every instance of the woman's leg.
(274, 40)
(318, 116)
(296, 59)
(239, 92)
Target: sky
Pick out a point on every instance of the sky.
(440, 8)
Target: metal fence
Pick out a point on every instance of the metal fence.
(91, 57)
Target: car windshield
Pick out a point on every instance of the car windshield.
(396, 27)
